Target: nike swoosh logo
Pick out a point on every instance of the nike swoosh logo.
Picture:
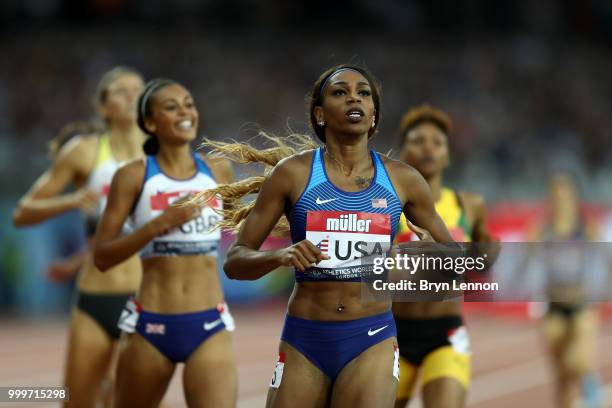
(211, 325)
(373, 332)
(319, 201)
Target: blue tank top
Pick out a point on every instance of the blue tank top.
(351, 227)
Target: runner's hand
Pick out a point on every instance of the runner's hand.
(178, 213)
(422, 233)
(302, 255)
(85, 200)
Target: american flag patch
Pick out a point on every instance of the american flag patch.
(153, 328)
(379, 203)
(323, 245)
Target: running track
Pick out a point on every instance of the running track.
(509, 370)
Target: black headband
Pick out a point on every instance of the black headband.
(154, 86)
(324, 85)
(143, 101)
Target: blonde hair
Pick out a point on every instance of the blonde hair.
(236, 211)
(109, 77)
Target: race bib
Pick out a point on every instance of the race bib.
(195, 237)
(460, 340)
(202, 224)
(226, 317)
(396, 362)
(129, 316)
(351, 239)
(277, 377)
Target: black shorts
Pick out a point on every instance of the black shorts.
(419, 337)
(567, 310)
(105, 309)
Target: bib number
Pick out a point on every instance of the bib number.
(460, 340)
(129, 317)
(396, 362)
(226, 317)
(277, 377)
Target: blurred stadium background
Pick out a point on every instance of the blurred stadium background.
(527, 83)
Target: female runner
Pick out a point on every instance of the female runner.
(180, 316)
(342, 202)
(88, 162)
(570, 325)
(431, 335)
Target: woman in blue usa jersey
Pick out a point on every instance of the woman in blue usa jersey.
(342, 202)
(180, 316)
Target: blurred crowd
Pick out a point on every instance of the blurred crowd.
(525, 102)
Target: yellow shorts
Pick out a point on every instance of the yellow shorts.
(438, 348)
(442, 363)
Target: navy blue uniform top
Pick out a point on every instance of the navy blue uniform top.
(350, 227)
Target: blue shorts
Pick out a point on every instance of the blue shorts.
(176, 336)
(332, 345)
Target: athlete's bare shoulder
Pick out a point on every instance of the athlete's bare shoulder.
(129, 176)
(399, 170)
(407, 181)
(79, 154)
(82, 144)
(296, 163)
(220, 167)
(134, 168)
(291, 174)
(125, 187)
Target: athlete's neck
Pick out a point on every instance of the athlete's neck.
(435, 184)
(126, 141)
(176, 160)
(351, 153)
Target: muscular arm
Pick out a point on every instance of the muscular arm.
(111, 248)
(480, 231)
(419, 207)
(44, 201)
